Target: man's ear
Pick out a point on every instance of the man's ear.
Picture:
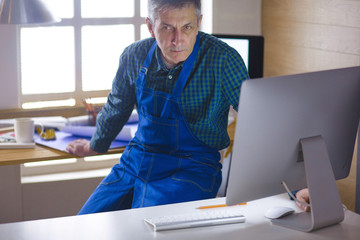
(200, 20)
(150, 27)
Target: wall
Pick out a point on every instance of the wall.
(237, 17)
(311, 35)
(56, 199)
(8, 67)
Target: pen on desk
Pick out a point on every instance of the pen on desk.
(220, 205)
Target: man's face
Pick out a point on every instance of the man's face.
(175, 31)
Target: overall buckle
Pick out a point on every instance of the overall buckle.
(144, 70)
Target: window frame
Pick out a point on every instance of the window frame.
(77, 22)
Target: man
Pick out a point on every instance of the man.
(182, 82)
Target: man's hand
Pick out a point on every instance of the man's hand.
(303, 196)
(80, 147)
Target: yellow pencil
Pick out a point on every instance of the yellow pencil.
(217, 206)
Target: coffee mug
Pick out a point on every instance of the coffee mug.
(24, 129)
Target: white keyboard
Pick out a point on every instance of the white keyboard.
(199, 218)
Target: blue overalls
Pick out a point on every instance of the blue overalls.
(164, 163)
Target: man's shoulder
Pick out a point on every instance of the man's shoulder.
(206, 37)
(144, 43)
(140, 47)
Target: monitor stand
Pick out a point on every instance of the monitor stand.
(325, 205)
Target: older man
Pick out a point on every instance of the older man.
(182, 82)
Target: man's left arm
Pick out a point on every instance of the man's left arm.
(235, 73)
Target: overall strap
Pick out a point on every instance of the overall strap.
(145, 66)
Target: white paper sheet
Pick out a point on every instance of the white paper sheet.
(126, 134)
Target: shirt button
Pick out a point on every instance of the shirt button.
(170, 77)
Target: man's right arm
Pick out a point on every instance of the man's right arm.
(117, 109)
(113, 116)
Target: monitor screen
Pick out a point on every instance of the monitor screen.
(250, 48)
(276, 115)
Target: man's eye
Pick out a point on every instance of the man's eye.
(167, 28)
(188, 27)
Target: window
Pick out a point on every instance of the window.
(77, 58)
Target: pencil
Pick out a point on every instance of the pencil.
(6, 129)
(91, 110)
(217, 206)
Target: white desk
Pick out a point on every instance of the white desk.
(129, 224)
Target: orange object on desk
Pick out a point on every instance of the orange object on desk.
(220, 205)
(91, 111)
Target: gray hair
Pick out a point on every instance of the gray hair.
(156, 6)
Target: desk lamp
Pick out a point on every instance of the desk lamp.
(25, 12)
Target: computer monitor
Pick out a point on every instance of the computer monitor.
(300, 129)
(250, 48)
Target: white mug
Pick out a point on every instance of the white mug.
(24, 130)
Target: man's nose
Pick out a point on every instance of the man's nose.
(177, 36)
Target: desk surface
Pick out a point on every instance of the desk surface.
(39, 153)
(129, 224)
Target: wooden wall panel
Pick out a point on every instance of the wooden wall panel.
(313, 35)
(309, 35)
(299, 60)
(327, 12)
